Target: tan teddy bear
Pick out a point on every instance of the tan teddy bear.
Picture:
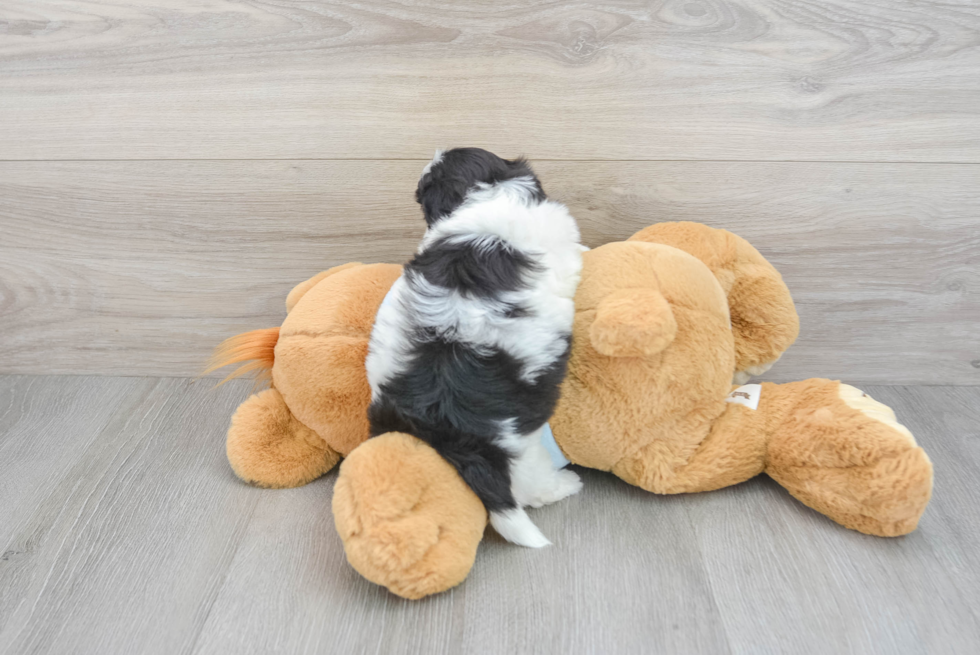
(666, 325)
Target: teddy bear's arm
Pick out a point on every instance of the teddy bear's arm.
(764, 319)
(267, 446)
(407, 520)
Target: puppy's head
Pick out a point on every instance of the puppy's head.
(452, 174)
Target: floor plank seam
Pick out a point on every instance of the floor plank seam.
(224, 580)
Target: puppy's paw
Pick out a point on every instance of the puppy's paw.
(564, 483)
(569, 484)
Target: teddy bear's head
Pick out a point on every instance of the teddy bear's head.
(652, 355)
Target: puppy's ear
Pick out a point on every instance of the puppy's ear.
(438, 200)
(521, 168)
(633, 323)
(437, 191)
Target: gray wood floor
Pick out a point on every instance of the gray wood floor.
(123, 530)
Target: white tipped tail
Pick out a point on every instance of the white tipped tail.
(516, 526)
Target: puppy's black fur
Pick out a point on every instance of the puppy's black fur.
(452, 395)
(444, 187)
(454, 398)
(485, 271)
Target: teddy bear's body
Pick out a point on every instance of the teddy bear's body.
(666, 325)
(316, 409)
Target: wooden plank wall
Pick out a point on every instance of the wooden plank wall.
(168, 172)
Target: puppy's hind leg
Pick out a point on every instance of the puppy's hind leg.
(534, 479)
(516, 526)
(563, 483)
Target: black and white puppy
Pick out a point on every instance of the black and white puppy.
(472, 342)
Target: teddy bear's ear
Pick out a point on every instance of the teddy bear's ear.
(300, 289)
(633, 323)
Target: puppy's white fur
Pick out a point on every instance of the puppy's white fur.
(549, 236)
(546, 232)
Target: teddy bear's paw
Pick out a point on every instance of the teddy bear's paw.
(268, 447)
(862, 402)
(407, 520)
(845, 455)
(742, 377)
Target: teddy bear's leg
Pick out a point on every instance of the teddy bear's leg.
(267, 446)
(842, 453)
(407, 520)
(733, 452)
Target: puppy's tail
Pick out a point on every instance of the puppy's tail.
(257, 349)
(516, 526)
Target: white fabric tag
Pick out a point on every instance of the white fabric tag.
(747, 394)
(548, 441)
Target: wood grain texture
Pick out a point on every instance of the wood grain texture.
(148, 544)
(672, 79)
(125, 550)
(514, 601)
(140, 268)
(44, 424)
